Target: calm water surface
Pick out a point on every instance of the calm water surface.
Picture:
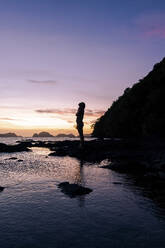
(35, 213)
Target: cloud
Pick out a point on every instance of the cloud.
(70, 111)
(70, 122)
(52, 82)
(99, 112)
(6, 119)
(159, 32)
(56, 111)
(94, 113)
(152, 24)
(9, 119)
(12, 107)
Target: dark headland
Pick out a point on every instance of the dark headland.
(139, 112)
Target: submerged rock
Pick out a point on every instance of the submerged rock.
(13, 158)
(1, 188)
(73, 190)
(118, 183)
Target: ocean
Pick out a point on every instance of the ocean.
(35, 213)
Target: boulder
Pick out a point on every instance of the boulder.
(13, 158)
(73, 190)
(21, 147)
(161, 175)
(1, 188)
(20, 160)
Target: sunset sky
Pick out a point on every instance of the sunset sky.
(57, 53)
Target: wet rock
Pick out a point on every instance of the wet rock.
(99, 150)
(93, 151)
(159, 165)
(150, 175)
(126, 166)
(118, 183)
(13, 158)
(161, 175)
(73, 190)
(126, 155)
(1, 188)
(21, 147)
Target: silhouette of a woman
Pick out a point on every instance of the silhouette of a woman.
(79, 121)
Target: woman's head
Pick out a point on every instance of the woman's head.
(81, 105)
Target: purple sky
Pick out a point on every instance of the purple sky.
(55, 54)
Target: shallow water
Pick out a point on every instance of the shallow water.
(13, 140)
(35, 213)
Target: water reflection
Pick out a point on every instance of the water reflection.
(37, 167)
(113, 215)
(79, 175)
(152, 192)
(80, 179)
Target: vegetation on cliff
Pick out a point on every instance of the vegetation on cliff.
(139, 111)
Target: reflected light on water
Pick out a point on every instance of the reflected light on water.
(110, 216)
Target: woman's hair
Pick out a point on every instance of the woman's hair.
(82, 104)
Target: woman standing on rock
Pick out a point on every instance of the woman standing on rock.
(79, 121)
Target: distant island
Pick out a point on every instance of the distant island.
(46, 134)
(42, 134)
(9, 135)
(139, 112)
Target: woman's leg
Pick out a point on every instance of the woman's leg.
(80, 130)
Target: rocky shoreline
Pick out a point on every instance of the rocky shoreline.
(21, 147)
(146, 157)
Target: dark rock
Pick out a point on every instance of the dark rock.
(118, 183)
(125, 155)
(126, 166)
(13, 158)
(21, 147)
(94, 151)
(1, 188)
(150, 175)
(24, 140)
(20, 160)
(161, 175)
(106, 166)
(73, 190)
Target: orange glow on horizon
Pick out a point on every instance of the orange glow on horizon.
(26, 122)
(29, 132)
(27, 127)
